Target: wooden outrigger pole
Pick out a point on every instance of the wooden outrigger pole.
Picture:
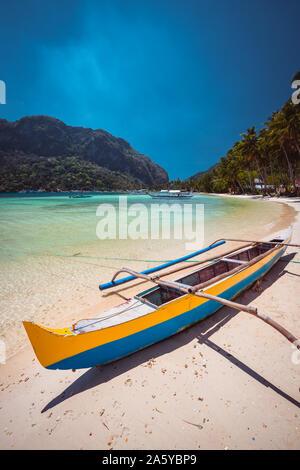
(195, 290)
(257, 241)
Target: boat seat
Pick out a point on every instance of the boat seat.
(230, 260)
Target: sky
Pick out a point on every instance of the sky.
(179, 79)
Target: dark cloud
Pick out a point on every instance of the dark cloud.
(179, 80)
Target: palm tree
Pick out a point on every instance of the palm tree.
(251, 150)
(283, 130)
(245, 162)
(291, 119)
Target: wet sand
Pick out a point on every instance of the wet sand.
(230, 382)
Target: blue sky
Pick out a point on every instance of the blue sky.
(180, 80)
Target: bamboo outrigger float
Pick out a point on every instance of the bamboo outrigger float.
(163, 310)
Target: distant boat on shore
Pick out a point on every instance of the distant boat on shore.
(171, 194)
(31, 191)
(79, 196)
(138, 192)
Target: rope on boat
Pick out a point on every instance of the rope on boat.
(77, 255)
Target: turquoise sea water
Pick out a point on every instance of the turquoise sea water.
(52, 261)
(44, 225)
(59, 224)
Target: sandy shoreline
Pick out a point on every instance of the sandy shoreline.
(231, 375)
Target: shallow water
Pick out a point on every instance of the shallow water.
(52, 261)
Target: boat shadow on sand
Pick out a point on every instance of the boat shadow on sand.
(202, 331)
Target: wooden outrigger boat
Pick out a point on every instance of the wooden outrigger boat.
(171, 194)
(160, 312)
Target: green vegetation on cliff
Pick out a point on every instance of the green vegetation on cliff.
(40, 152)
(59, 173)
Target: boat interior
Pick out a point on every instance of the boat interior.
(160, 295)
